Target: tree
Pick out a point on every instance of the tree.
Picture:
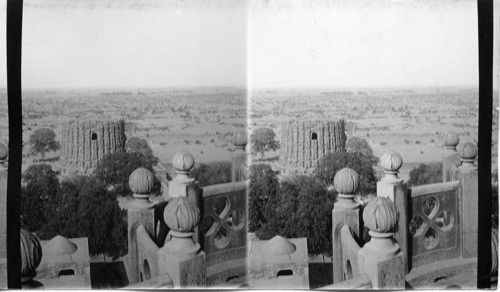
(114, 171)
(426, 174)
(333, 162)
(356, 144)
(85, 208)
(40, 184)
(212, 173)
(263, 140)
(42, 141)
(263, 186)
(138, 145)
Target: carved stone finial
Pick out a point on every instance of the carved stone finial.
(380, 215)
(31, 255)
(183, 162)
(346, 183)
(468, 153)
(391, 162)
(451, 140)
(141, 181)
(240, 140)
(181, 215)
(4, 153)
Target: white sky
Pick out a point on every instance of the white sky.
(363, 43)
(285, 43)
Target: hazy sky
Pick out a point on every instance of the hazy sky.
(274, 43)
(90, 43)
(363, 43)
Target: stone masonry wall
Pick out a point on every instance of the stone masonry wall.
(304, 143)
(84, 143)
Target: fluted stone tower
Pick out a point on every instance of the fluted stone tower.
(84, 143)
(304, 143)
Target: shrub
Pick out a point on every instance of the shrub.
(426, 174)
(212, 173)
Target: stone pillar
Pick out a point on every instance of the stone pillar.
(380, 258)
(183, 185)
(239, 156)
(345, 212)
(140, 212)
(181, 216)
(391, 186)
(450, 155)
(4, 153)
(468, 177)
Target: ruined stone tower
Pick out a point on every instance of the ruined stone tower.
(304, 143)
(84, 143)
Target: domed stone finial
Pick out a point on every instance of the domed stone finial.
(240, 140)
(31, 255)
(391, 162)
(380, 215)
(451, 140)
(346, 183)
(141, 183)
(4, 152)
(183, 162)
(468, 153)
(181, 215)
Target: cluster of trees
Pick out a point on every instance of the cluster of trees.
(212, 173)
(301, 206)
(80, 206)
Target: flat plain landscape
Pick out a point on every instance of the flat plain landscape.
(204, 120)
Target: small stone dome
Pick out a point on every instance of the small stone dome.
(4, 152)
(278, 245)
(451, 139)
(467, 151)
(31, 255)
(241, 139)
(141, 181)
(60, 245)
(181, 214)
(380, 215)
(391, 161)
(346, 181)
(183, 161)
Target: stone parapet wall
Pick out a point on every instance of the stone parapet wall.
(84, 143)
(304, 143)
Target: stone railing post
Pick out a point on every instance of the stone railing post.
(181, 215)
(183, 185)
(4, 153)
(380, 258)
(239, 156)
(345, 212)
(391, 186)
(141, 211)
(450, 155)
(468, 177)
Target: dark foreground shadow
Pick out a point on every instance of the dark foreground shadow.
(320, 274)
(110, 275)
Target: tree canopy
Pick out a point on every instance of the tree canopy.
(114, 171)
(42, 141)
(356, 144)
(262, 141)
(138, 145)
(333, 162)
(426, 174)
(263, 186)
(212, 173)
